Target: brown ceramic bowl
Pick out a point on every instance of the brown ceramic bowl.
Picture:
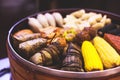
(23, 69)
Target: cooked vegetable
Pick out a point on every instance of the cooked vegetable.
(66, 43)
(107, 53)
(102, 22)
(47, 56)
(81, 19)
(98, 26)
(51, 54)
(37, 58)
(91, 58)
(78, 13)
(32, 46)
(69, 34)
(73, 59)
(60, 41)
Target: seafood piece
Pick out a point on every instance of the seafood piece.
(73, 60)
(60, 42)
(50, 19)
(43, 20)
(47, 56)
(49, 32)
(34, 24)
(32, 46)
(18, 34)
(58, 18)
(23, 32)
(23, 38)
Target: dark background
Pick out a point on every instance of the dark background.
(13, 10)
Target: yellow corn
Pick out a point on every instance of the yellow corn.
(108, 54)
(91, 58)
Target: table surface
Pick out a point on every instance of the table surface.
(4, 63)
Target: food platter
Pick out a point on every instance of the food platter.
(38, 69)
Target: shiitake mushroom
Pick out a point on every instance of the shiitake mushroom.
(110, 28)
(88, 33)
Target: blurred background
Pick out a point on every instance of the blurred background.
(13, 10)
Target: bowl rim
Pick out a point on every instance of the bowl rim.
(67, 74)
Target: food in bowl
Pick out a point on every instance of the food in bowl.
(113, 40)
(71, 43)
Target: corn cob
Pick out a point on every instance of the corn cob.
(91, 58)
(108, 54)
